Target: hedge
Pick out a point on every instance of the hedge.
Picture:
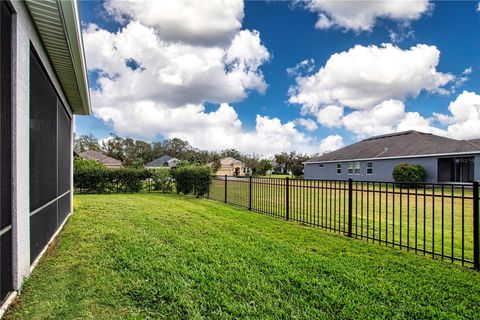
(99, 180)
(409, 174)
(89, 178)
(193, 179)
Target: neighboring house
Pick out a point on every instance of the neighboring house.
(109, 162)
(232, 167)
(163, 162)
(43, 84)
(373, 159)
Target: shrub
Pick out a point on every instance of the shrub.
(264, 166)
(130, 180)
(162, 180)
(94, 179)
(193, 179)
(84, 164)
(409, 174)
(297, 170)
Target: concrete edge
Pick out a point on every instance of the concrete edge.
(7, 303)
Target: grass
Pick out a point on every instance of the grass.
(429, 222)
(278, 176)
(153, 256)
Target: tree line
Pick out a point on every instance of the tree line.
(137, 153)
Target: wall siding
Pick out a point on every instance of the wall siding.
(382, 170)
(25, 37)
(477, 168)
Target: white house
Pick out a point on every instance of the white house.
(43, 83)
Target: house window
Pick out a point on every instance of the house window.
(369, 167)
(339, 168)
(350, 168)
(356, 167)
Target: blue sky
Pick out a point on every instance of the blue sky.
(288, 31)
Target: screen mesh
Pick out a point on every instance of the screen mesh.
(43, 137)
(42, 227)
(5, 151)
(50, 159)
(63, 208)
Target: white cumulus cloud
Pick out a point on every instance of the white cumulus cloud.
(331, 143)
(303, 67)
(156, 73)
(388, 116)
(464, 120)
(308, 124)
(365, 76)
(195, 22)
(363, 15)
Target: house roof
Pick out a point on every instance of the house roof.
(160, 162)
(100, 157)
(398, 145)
(475, 141)
(58, 24)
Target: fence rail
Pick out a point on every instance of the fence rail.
(440, 220)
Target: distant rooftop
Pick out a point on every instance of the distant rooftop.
(100, 157)
(160, 162)
(401, 144)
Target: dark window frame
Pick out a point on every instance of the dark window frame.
(369, 168)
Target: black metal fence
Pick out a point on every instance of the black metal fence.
(440, 220)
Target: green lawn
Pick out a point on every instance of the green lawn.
(426, 221)
(153, 256)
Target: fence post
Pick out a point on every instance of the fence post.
(476, 227)
(250, 192)
(350, 206)
(226, 177)
(287, 199)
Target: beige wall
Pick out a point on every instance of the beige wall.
(229, 171)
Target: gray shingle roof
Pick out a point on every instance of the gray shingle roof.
(160, 162)
(398, 145)
(475, 141)
(100, 157)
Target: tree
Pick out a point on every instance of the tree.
(86, 164)
(86, 142)
(176, 148)
(114, 147)
(251, 161)
(216, 166)
(232, 153)
(281, 162)
(263, 166)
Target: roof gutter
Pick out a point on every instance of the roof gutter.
(399, 157)
(58, 24)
